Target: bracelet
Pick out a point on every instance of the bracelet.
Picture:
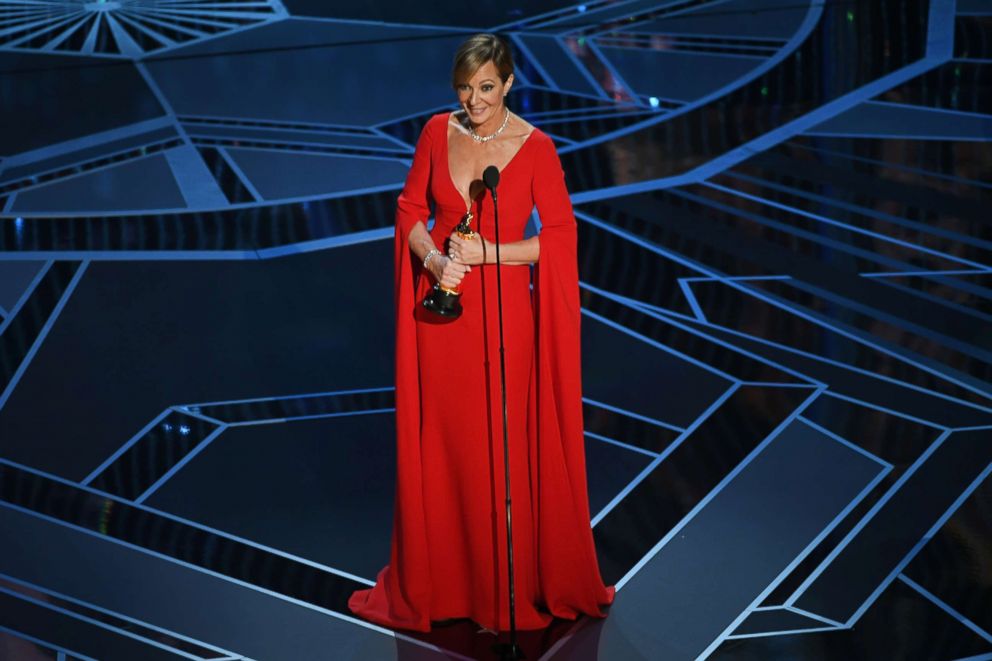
(430, 253)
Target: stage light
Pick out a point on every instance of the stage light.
(184, 430)
(654, 101)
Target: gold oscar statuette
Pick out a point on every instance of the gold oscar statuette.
(442, 300)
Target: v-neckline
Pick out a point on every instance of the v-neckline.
(447, 161)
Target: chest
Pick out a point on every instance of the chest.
(463, 161)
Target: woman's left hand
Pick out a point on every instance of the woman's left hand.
(467, 251)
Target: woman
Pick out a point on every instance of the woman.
(448, 556)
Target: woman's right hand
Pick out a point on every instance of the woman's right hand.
(447, 271)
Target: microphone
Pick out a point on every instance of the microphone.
(490, 177)
(506, 651)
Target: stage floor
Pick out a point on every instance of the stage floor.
(785, 257)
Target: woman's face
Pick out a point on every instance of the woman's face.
(482, 95)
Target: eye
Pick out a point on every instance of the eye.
(487, 88)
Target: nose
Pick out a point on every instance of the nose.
(472, 97)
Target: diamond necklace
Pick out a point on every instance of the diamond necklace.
(479, 138)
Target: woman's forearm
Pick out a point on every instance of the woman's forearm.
(515, 253)
(420, 240)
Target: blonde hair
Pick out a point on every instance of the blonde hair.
(475, 52)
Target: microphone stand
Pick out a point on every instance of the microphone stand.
(511, 650)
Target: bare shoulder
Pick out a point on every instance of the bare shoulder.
(436, 122)
(521, 127)
(524, 130)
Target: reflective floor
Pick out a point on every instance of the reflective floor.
(785, 256)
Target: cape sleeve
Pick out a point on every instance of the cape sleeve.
(402, 589)
(558, 316)
(410, 558)
(563, 500)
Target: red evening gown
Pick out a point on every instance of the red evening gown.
(448, 553)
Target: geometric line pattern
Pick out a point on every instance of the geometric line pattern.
(122, 27)
(784, 257)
